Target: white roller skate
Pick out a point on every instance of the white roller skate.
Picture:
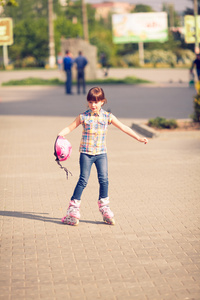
(73, 215)
(106, 211)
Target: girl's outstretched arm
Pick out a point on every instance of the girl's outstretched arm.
(71, 127)
(128, 130)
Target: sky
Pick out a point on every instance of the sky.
(179, 5)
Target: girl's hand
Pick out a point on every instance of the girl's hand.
(143, 140)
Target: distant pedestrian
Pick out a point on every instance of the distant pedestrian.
(93, 150)
(196, 63)
(104, 63)
(81, 63)
(60, 61)
(67, 65)
(191, 79)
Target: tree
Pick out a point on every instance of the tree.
(30, 29)
(74, 13)
(190, 11)
(173, 17)
(142, 8)
(29, 9)
(30, 40)
(8, 3)
(65, 28)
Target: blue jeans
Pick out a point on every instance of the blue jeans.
(86, 162)
(68, 83)
(198, 74)
(80, 80)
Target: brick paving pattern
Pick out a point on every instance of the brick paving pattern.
(151, 253)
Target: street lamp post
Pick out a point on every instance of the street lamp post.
(52, 59)
(196, 27)
(85, 21)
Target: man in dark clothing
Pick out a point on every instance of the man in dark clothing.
(80, 62)
(196, 63)
(104, 63)
(67, 64)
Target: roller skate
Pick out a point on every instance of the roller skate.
(106, 211)
(73, 215)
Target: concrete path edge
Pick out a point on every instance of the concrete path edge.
(144, 130)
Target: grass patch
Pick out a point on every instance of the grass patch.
(126, 80)
(163, 123)
(56, 81)
(33, 81)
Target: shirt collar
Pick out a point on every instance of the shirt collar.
(95, 114)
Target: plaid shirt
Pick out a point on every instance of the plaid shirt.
(93, 140)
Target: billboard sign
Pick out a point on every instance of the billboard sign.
(140, 27)
(6, 31)
(189, 21)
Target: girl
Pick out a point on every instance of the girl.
(93, 150)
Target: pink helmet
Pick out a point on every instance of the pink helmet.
(63, 148)
(62, 151)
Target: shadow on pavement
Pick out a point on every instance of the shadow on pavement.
(32, 216)
(124, 101)
(41, 217)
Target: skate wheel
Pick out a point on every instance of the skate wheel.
(109, 221)
(70, 221)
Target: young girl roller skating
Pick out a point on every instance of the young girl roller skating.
(93, 151)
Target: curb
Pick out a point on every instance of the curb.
(144, 130)
(147, 131)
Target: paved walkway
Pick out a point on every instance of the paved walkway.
(125, 101)
(159, 76)
(151, 253)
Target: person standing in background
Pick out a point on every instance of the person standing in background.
(67, 65)
(104, 63)
(196, 63)
(59, 61)
(81, 62)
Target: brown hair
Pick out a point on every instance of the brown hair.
(96, 94)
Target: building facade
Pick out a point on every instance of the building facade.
(102, 10)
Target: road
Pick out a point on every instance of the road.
(125, 101)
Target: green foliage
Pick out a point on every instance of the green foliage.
(27, 10)
(65, 28)
(162, 123)
(73, 10)
(169, 45)
(31, 28)
(160, 56)
(30, 40)
(31, 35)
(142, 8)
(173, 18)
(117, 61)
(30, 20)
(132, 60)
(122, 49)
(27, 62)
(56, 81)
(30, 9)
(196, 115)
(33, 81)
(184, 56)
(8, 3)
(102, 39)
(127, 80)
